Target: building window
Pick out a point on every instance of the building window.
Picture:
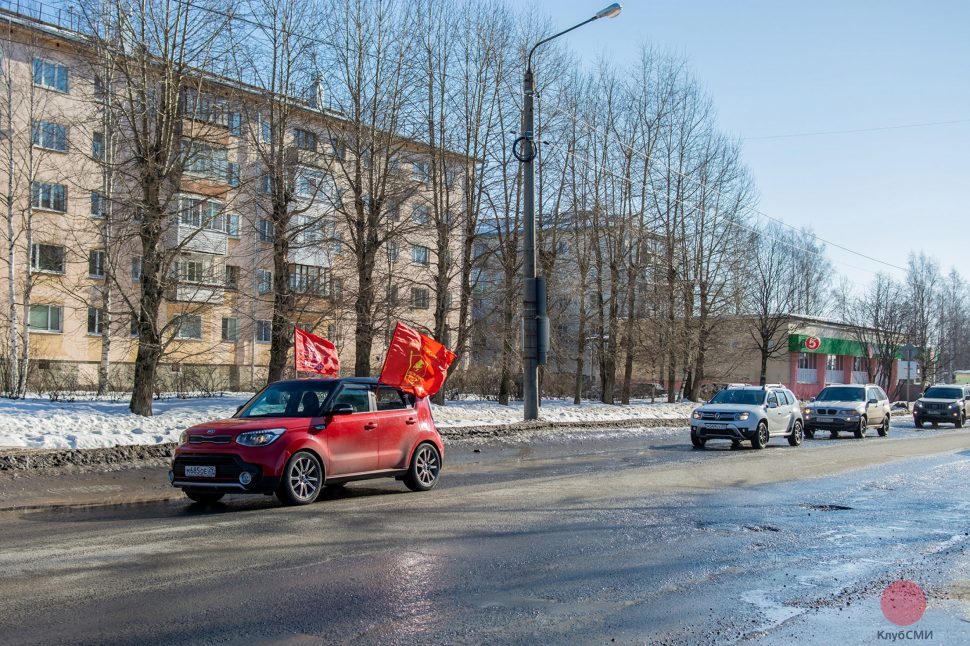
(202, 106)
(136, 269)
(230, 329)
(232, 225)
(421, 171)
(420, 299)
(133, 327)
(45, 318)
(266, 183)
(98, 205)
(235, 124)
(264, 230)
(50, 75)
(420, 255)
(50, 136)
(308, 183)
(337, 243)
(479, 250)
(207, 162)
(264, 331)
(834, 362)
(338, 148)
(188, 326)
(392, 295)
(193, 271)
(232, 174)
(52, 197)
(394, 213)
(807, 361)
(232, 277)
(95, 321)
(307, 279)
(47, 258)
(421, 215)
(392, 252)
(202, 213)
(264, 281)
(97, 146)
(304, 139)
(96, 259)
(860, 364)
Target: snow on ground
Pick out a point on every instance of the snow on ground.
(40, 423)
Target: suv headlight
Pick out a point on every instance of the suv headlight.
(696, 414)
(743, 416)
(919, 404)
(259, 438)
(954, 405)
(183, 437)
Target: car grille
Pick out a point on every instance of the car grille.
(227, 466)
(828, 411)
(210, 439)
(720, 417)
(935, 406)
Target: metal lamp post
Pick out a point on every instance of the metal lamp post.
(535, 323)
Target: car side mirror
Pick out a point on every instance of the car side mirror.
(342, 409)
(873, 401)
(811, 399)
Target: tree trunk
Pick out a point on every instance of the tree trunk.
(282, 300)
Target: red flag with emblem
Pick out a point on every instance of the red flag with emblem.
(313, 354)
(415, 363)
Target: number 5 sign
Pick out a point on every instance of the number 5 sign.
(813, 343)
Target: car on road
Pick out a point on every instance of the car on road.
(946, 403)
(752, 413)
(848, 408)
(293, 438)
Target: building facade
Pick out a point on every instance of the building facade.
(72, 249)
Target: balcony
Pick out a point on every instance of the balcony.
(301, 157)
(185, 292)
(190, 238)
(198, 278)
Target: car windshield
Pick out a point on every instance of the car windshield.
(842, 394)
(294, 399)
(943, 393)
(744, 397)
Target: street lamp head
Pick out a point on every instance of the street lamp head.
(610, 12)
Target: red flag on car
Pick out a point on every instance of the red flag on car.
(313, 354)
(415, 363)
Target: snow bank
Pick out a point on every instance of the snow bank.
(40, 423)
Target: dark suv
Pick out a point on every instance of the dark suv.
(947, 403)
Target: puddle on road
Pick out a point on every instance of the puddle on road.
(815, 507)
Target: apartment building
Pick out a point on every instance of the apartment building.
(72, 240)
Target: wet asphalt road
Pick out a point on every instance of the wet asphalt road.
(634, 540)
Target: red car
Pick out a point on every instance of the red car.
(296, 437)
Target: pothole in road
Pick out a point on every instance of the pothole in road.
(760, 528)
(825, 507)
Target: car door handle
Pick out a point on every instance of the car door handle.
(370, 426)
(410, 420)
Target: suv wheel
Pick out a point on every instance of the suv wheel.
(810, 433)
(796, 434)
(425, 467)
(204, 497)
(919, 422)
(761, 437)
(696, 440)
(960, 421)
(301, 480)
(861, 431)
(833, 435)
(884, 428)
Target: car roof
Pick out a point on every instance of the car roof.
(344, 380)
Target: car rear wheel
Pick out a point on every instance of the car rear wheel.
(884, 429)
(696, 440)
(204, 497)
(796, 434)
(760, 439)
(425, 468)
(301, 480)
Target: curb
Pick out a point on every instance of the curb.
(19, 460)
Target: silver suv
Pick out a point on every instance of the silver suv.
(754, 413)
(849, 408)
(948, 403)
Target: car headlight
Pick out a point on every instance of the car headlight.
(854, 413)
(183, 437)
(954, 405)
(743, 416)
(696, 415)
(259, 438)
(919, 404)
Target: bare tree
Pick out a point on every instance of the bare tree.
(771, 292)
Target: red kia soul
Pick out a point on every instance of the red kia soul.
(293, 438)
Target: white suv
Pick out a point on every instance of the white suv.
(754, 413)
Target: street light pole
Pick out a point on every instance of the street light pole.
(535, 323)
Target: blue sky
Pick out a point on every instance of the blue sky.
(777, 68)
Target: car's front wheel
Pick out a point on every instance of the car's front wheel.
(425, 468)
(860, 432)
(302, 479)
(204, 497)
(697, 440)
(918, 422)
(760, 439)
(796, 434)
(960, 421)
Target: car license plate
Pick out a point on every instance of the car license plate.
(200, 472)
(826, 419)
(716, 427)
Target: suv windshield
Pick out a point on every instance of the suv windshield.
(943, 393)
(842, 394)
(289, 400)
(744, 397)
